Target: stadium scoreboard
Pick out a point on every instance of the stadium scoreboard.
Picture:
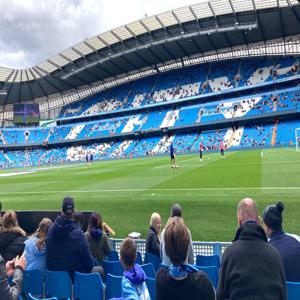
(27, 113)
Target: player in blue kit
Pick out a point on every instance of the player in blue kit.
(172, 156)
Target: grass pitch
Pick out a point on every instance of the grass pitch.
(126, 192)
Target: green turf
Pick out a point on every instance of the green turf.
(126, 192)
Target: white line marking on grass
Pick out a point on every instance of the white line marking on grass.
(292, 188)
(16, 173)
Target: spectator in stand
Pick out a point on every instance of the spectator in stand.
(97, 238)
(251, 268)
(14, 268)
(35, 247)
(287, 245)
(12, 237)
(153, 237)
(176, 211)
(67, 248)
(134, 280)
(180, 280)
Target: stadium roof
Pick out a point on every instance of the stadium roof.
(218, 29)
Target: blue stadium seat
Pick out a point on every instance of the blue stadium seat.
(113, 286)
(149, 270)
(151, 285)
(212, 274)
(58, 284)
(208, 260)
(32, 283)
(113, 268)
(293, 290)
(153, 259)
(113, 256)
(30, 297)
(88, 286)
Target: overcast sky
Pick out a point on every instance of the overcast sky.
(34, 30)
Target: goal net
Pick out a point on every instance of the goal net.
(297, 139)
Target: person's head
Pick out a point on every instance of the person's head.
(78, 217)
(176, 210)
(272, 218)
(247, 211)
(177, 240)
(155, 221)
(128, 253)
(68, 207)
(95, 221)
(42, 232)
(9, 219)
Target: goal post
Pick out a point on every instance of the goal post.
(297, 139)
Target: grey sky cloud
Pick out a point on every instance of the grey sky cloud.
(34, 30)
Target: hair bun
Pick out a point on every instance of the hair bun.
(280, 206)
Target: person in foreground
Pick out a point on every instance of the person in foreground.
(288, 245)
(251, 268)
(153, 237)
(181, 281)
(13, 268)
(133, 283)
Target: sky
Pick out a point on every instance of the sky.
(35, 30)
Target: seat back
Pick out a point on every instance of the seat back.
(113, 268)
(293, 290)
(153, 259)
(212, 274)
(208, 260)
(149, 270)
(32, 283)
(58, 284)
(151, 285)
(113, 256)
(113, 286)
(88, 286)
(30, 297)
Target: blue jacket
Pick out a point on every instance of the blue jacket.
(289, 248)
(35, 258)
(134, 285)
(67, 248)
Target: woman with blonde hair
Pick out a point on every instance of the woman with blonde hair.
(153, 237)
(35, 247)
(12, 237)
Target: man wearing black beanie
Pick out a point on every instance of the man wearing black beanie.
(287, 245)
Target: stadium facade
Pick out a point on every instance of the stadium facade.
(225, 70)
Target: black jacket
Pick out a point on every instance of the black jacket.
(251, 269)
(152, 242)
(12, 243)
(195, 286)
(67, 248)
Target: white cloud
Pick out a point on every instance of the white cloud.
(32, 30)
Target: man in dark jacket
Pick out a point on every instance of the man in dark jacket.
(251, 269)
(67, 248)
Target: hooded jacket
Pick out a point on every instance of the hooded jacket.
(12, 242)
(251, 269)
(133, 284)
(67, 248)
(98, 242)
(35, 258)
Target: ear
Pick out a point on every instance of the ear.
(240, 222)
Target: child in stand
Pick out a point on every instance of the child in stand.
(134, 280)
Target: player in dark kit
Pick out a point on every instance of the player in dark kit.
(201, 148)
(222, 148)
(172, 156)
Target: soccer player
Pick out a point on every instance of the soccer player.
(222, 148)
(201, 148)
(172, 156)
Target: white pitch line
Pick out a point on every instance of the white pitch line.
(149, 189)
